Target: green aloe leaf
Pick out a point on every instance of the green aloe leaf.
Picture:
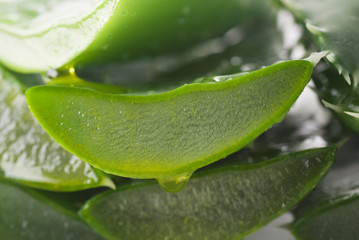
(331, 211)
(333, 25)
(27, 153)
(239, 49)
(26, 214)
(51, 34)
(334, 220)
(168, 136)
(339, 96)
(224, 202)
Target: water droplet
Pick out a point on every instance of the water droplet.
(83, 115)
(174, 184)
(62, 115)
(79, 113)
(306, 163)
(61, 123)
(69, 129)
(88, 124)
(72, 103)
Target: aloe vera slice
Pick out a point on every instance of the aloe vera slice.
(226, 202)
(27, 153)
(333, 25)
(168, 136)
(51, 34)
(26, 214)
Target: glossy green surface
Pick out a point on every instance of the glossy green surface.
(168, 136)
(51, 34)
(224, 202)
(27, 153)
(333, 25)
(332, 221)
(27, 215)
(238, 50)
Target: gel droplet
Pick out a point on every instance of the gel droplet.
(174, 184)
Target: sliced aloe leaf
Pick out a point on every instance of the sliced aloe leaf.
(333, 25)
(168, 136)
(26, 214)
(339, 96)
(226, 202)
(27, 153)
(51, 34)
(331, 211)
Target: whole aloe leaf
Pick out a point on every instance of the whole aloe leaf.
(26, 214)
(333, 25)
(27, 153)
(240, 49)
(226, 202)
(51, 34)
(168, 136)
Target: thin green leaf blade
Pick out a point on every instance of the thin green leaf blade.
(169, 135)
(27, 153)
(226, 202)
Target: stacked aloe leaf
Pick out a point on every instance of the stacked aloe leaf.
(167, 120)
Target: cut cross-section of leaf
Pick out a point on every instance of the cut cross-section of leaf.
(169, 135)
(27, 153)
(220, 203)
(51, 34)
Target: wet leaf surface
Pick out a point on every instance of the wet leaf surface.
(28, 155)
(26, 214)
(223, 202)
(168, 136)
